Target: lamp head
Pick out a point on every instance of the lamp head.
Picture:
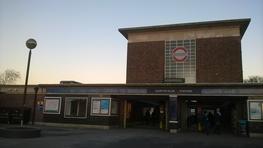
(31, 43)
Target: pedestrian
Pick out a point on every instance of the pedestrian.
(218, 121)
(147, 116)
(211, 121)
(206, 123)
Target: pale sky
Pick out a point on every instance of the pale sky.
(79, 39)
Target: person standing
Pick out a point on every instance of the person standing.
(147, 117)
(211, 121)
(218, 121)
(206, 123)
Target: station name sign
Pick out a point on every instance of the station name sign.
(174, 91)
(155, 90)
(82, 90)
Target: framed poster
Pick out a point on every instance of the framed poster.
(104, 106)
(52, 105)
(100, 106)
(96, 106)
(255, 110)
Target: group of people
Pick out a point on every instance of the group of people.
(212, 122)
(206, 122)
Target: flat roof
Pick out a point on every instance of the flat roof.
(205, 89)
(243, 23)
(142, 85)
(158, 85)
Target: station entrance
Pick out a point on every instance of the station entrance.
(194, 110)
(148, 112)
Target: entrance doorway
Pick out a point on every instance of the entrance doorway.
(195, 109)
(145, 112)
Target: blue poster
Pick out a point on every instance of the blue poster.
(104, 106)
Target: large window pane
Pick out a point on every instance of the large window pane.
(76, 107)
(52, 105)
(115, 107)
(180, 69)
(255, 110)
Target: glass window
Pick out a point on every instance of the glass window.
(52, 105)
(255, 110)
(115, 107)
(75, 107)
(180, 60)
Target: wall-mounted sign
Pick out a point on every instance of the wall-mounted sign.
(180, 54)
(105, 106)
(52, 105)
(175, 80)
(96, 106)
(100, 106)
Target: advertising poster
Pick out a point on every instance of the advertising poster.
(96, 106)
(255, 111)
(104, 106)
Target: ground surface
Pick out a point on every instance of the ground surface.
(128, 138)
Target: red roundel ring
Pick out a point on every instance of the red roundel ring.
(179, 54)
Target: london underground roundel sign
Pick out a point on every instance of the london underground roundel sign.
(180, 54)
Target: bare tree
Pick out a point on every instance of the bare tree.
(9, 76)
(254, 79)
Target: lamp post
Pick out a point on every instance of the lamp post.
(30, 44)
(34, 106)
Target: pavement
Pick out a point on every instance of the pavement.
(55, 137)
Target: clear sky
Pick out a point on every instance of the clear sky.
(79, 39)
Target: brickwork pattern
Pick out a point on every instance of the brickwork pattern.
(145, 62)
(219, 60)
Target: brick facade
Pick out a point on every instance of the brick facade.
(218, 60)
(145, 62)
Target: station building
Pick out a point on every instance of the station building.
(174, 72)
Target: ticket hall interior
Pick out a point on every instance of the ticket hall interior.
(232, 109)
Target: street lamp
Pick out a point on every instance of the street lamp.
(30, 44)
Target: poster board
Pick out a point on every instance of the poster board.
(100, 106)
(104, 106)
(96, 106)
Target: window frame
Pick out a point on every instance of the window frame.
(175, 70)
(118, 107)
(248, 110)
(76, 117)
(100, 99)
(52, 98)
